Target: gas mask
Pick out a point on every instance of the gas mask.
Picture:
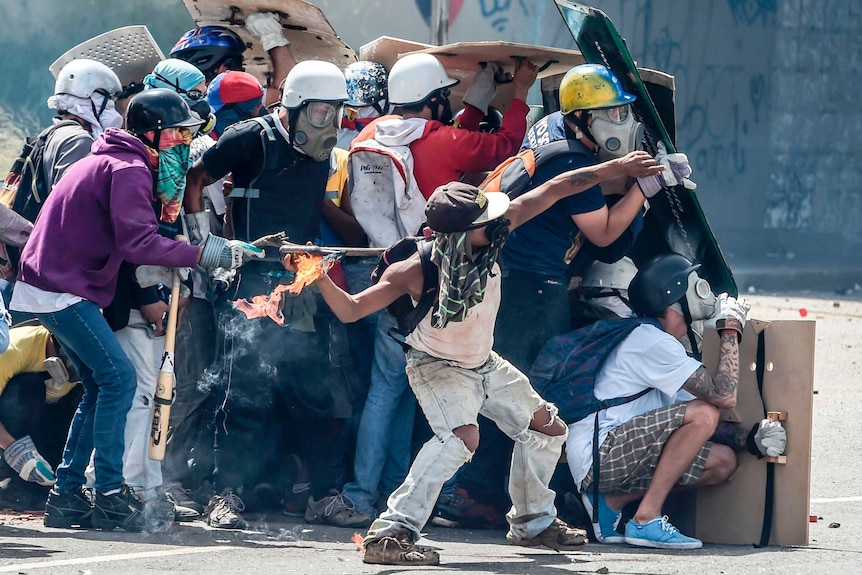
(202, 110)
(616, 132)
(700, 304)
(314, 129)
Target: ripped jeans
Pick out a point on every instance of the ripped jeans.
(452, 396)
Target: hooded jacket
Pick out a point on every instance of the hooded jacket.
(99, 215)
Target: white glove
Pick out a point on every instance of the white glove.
(676, 171)
(770, 438)
(484, 87)
(266, 28)
(21, 455)
(229, 254)
(197, 227)
(154, 275)
(732, 314)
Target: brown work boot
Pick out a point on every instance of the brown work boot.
(398, 550)
(559, 535)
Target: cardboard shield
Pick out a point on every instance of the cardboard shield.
(310, 34)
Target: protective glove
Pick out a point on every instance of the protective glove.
(219, 252)
(154, 275)
(484, 87)
(60, 383)
(676, 171)
(21, 455)
(731, 314)
(220, 281)
(197, 227)
(767, 438)
(266, 28)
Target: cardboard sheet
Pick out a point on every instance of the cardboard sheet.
(733, 512)
(310, 34)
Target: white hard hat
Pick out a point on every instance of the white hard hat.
(313, 81)
(617, 275)
(415, 76)
(83, 77)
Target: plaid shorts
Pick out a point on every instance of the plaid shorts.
(630, 453)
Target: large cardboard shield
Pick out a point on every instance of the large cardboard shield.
(310, 34)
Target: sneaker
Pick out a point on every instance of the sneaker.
(296, 500)
(606, 529)
(559, 535)
(223, 511)
(183, 498)
(398, 550)
(65, 511)
(458, 509)
(121, 509)
(19, 495)
(159, 513)
(335, 509)
(659, 534)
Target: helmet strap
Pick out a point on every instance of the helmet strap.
(580, 122)
(686, 314)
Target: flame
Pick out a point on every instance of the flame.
(264, 305)
(309, 268)
(357, 540)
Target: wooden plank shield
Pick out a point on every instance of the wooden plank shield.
(310, 34)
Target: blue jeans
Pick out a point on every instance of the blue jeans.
(386, 427)
(109, 381)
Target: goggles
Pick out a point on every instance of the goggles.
(192, 94)
(322, 114)
(617, 115)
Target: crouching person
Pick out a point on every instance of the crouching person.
(98, 216)
(455, 374)
(656, 427)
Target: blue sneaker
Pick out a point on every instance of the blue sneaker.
(659, 534)
(606, 529)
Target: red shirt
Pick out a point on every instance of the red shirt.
(443, 154)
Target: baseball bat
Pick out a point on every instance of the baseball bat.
(165, 385)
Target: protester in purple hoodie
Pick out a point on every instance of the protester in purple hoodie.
(99, 215)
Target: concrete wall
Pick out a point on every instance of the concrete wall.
(767, 101)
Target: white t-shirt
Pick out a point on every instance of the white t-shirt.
(647, 358)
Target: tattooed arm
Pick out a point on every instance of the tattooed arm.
(732, 435)
(720, 389)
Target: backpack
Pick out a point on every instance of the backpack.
(407, 314)
(384, 194)
(565, 370)
(25, 189)
(515, 175)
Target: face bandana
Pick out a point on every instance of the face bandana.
(616, 132)
(97, 110)
(172, 160)
(315, 131)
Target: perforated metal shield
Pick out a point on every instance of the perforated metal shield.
(130, 51)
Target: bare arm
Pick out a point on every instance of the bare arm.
(603, 226)
(196, 180)
(536, 201)
(719, 390)
(400, 278)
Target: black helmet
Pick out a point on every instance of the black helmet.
(660, 283)
(208, 48)
(157, 109)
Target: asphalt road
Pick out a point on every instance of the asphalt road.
(282, 545)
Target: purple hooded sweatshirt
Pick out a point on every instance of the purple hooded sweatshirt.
(98, 215)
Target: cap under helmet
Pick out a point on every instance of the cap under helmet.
(208, 48)
(660, 283)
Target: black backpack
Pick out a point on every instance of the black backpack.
(25, 189)
(408, 315)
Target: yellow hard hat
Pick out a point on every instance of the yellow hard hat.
(591, 87)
